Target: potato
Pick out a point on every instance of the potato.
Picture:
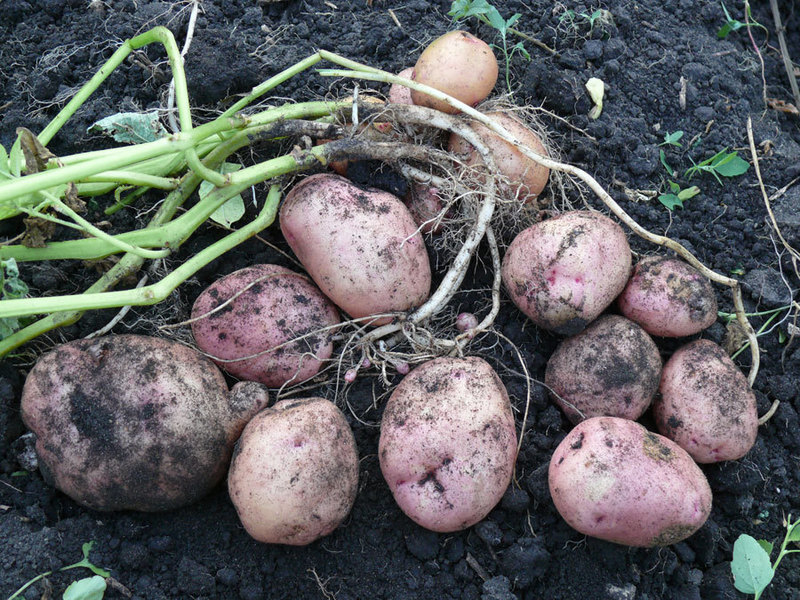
(458, 64)
(278, 307)
(294, 473)
(612, 368)
(526, 177)
(360, 245)
(668, 298)
(705, 404)
(612, 479)
(131, 422)
(400, 94)
(563, 272)
(448, 444)
(425, 205)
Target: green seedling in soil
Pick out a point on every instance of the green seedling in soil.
(728, 318)
(676, 196)
(722, 164)
(751, 567)
(732, 24)
(86, 589)
(576, 19)
(486, 13)
(672, 139)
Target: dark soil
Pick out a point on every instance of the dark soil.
(523, 549)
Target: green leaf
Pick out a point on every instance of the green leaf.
(670, 201)
(793, 534)
(732, 166)
(512, 20)
(750, 566)
(663, 157)
(233, 209)
(130, 127)
(90, 588)
(690, 192)
(496, 20)
(673, 139)
(674, 187)
(519, 47)
(767, 546)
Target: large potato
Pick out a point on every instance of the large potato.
(563, 272)
(610, 369)
(668, 298)
(612, 479)
(294, 474)
(458, 64)
(705, 404)
(526, 178)
(361, 246)
(448, 443)
(256, 309)
(131, 422)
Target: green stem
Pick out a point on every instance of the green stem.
(134, 178)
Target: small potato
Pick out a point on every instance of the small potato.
(706, 405)
(426, 206)
(668, 298)
(131, 422)
(612, 479)
(253, 310)
(294, 473)
(400, 94)
(458, 64)
(448, 443)
(612, 368)
(360, 245)
(563, 272)
(526, 177)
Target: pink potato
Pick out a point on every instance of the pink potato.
(425, 205)
(706, 405)
(274, 306)
(131, 422)
(563, 272)
(360, 245)
(448, 444)
(458, 64)
(525, 177)
(294, 474)
(612, 368)
(668, 298)
(400, 94)
(612, 479)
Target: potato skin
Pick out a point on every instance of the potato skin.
(612, 369)
(448, 444)
(563, 272)
(131, 422)
(459, 64)
(360, 246)
(668, 298)
(527, 178)
(612, 479)
(705, 404)
(400, 94)
(280, 306)
(294, 473)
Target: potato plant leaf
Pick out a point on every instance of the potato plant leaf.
(751, 568)
(130, 127)
(233, 209)
(89, 588)
(767, 546)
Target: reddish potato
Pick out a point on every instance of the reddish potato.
(400, 94)
(426, 206)
(610, 369)
(448, 443)
(458, 64)
(563, 272)
(612, 479)
(360, 245)
(278, 307)
(526, 177)
(706, 405)
(668, 298)
(130, 422)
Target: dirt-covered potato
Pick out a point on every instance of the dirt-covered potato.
(294, 473)
(258, 308)
(612, 479)
(360, 245)
(132, 422)
(563, 272)
(448, 443)
(458, 64)
(705, 404)
(526, 178)
(425, 205)
(611, 369)
(668, 298)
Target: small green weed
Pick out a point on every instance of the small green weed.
(12, 286)
(486, 13)
(672, 139)
(751, 567)
(676, 196)
(732, 24)
(89, 588)
(723, 163)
